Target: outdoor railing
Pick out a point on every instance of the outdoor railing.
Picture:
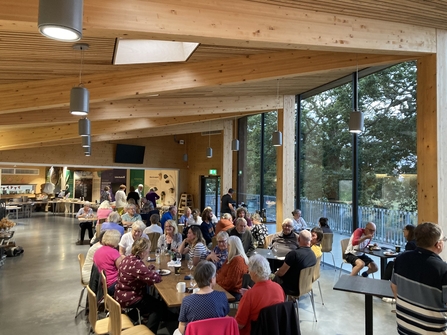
(389, 223)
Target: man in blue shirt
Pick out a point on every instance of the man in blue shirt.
(171, 214)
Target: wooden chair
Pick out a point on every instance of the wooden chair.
(344, 245)
(268, 240)
(126, 322)
(98, 326)
(305, 287)
(81, 259)
(115, 325)
(316, 276)
(153, 237)
(326, 246)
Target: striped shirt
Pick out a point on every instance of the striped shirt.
(421, 279)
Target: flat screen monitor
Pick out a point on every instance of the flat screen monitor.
(129, 154)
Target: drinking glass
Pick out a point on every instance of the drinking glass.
(192, 283)
(190, 266)
(178, 257)
(157, 255)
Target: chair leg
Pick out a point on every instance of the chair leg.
(311, 293)
(333, 261)
(321, 294)
(79, 302)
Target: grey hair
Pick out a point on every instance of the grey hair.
(287, 221)
(259, 266)
(222, 234)
(204, 273)
(105, 204)
(236, 249)
(114, 217)
(138, 225)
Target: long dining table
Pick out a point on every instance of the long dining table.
(167, 287)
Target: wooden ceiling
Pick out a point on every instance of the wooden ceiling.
(247, 48)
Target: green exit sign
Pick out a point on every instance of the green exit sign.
(213, 171)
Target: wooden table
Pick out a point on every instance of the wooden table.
(167, 287)
(369, 287)
(382, 256)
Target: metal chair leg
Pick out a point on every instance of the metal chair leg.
(313, 303)
(79, 302)
(321, 294)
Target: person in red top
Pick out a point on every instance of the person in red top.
(133, 279)
(233, 270)
(225, 223)
(264, 293)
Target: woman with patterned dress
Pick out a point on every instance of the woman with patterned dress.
(259, 231)
(133, 279)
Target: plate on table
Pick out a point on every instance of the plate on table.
(163, 272)
(390, 253)
(377, 248)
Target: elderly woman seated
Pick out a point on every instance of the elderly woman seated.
(131, 287)
(233, 270)
(85, 212)
(220, 253)
(130, 216)
(263, 293)
(113, 222)
(171, 239)
(102, 214)
(107, 258)
(206, 303)
(128, 238)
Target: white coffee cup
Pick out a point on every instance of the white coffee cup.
(196, 290)
(181, 287)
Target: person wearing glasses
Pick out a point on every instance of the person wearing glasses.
(286, 240)
(419, 284)
(360, 239)
(220, 253)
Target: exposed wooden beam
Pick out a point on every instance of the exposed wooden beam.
(146, 108)
(127, 84)
(233, 23)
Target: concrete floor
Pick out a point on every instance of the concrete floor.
(39, 290)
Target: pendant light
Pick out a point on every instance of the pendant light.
(235, 142)
(86, 141)
(88, 151)
(209, 150)
(84, 127)
(356, 117)
(61, 19)
(277, 135)
(79, 95)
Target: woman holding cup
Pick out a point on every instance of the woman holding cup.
(206, 303)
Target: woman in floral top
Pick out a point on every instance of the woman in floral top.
(259, 230)
(133, 278)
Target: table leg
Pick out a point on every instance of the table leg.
(383, 264)
(368, 314)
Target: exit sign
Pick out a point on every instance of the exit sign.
(213, 171)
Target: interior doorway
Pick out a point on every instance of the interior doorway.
(210, 193)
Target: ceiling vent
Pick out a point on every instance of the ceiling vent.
(21, 171)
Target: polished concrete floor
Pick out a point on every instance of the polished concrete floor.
(39, 290)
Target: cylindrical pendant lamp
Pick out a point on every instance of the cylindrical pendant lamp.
(277, 138)
(88, 151)
(209, 152)
(79, 100)
(84, 127)
(61, 19)
(235, 145)
(356, 122)
(86, 141)
(185, 157)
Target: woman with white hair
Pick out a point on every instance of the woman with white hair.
(263, 293)
(102, 214)
(113, 222)
(231, 273)
(128, 238)
(130, 216)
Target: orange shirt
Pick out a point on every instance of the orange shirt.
(230, 274)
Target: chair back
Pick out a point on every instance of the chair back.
(219, 326)
(316, 274)
(306, 280)
(115, 316)
(326, 243)
(344, 245)
(104, 289)
(153, 237)
(268, 240)
(277, 319)
(92, 311)
(81, 259)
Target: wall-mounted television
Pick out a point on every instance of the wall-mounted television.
(129, 154)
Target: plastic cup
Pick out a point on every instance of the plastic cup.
(397, 247)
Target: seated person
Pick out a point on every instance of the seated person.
(298, 222)
(186, 216)
(107, 258)
(194, 245)
(240, 230)
(233, 270)
(263, 293)
(133, 280)
(259, 231)
(130, 216)
(154, 227)
(85, 212)
(225, 223)
(286, 240)
(171, 239)
(206, 303)
(113, 222)
(288, 275)
(323, 223)
(127, 239)
(88, 263)
(241, 212)
(102, 214)
(317, 236)
(146, 206)
(220, 253)
(354, 255)
(207, 226)
(171, 214)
